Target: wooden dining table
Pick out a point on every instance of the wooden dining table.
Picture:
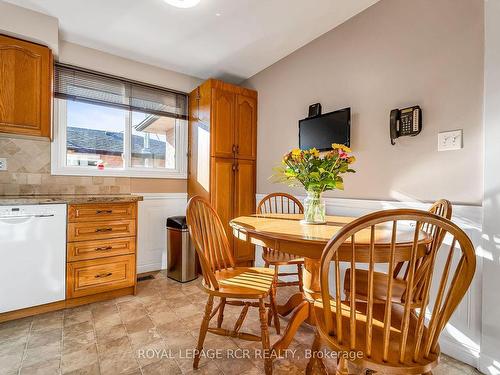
(286, 233)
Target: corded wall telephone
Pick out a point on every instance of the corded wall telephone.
(406, 121)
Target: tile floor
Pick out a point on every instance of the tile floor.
(122, 336)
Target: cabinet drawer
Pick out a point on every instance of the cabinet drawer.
(100, 249)
(99, 275)
(100, 230)
(101, 211)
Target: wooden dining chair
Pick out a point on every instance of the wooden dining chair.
(281, 203)
(393, 338)
(237, 286)
(442, 208)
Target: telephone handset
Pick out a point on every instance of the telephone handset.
(406, 121)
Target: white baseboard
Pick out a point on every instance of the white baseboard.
(149, 267)
(459, 352)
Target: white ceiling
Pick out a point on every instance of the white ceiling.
(247, 36)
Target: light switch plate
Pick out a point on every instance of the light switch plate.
(452, 140)
(3, 164)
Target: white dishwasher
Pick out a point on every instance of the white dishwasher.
(32, 255)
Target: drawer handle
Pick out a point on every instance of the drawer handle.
(98, 212)
(103, 230)
(101, 275)
(104, 248)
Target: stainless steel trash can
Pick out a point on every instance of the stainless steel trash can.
(181, 255)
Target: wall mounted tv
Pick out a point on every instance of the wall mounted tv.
(323, 130)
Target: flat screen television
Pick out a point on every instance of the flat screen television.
(323, 130)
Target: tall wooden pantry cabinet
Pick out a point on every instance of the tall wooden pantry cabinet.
(222, 154)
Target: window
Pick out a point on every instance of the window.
(107, 126)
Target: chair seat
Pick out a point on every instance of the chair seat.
(279, 258)
(243, 282)
(392, 365)
(380, 282)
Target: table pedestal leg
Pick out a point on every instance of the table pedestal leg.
(294, 301)
(301, 304)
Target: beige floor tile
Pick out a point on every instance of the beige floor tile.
(11, 356)
(75, 317)
(110, 320)
(77, 329)
(78, 342)
(42, 353)
(141, 324)
(162, 367)
(92, 369)
(110, 333)
(43, 337)
(49, 367)
(80, 359)
(162, 317)
(121, 362)
(48, 321)
(114, 347)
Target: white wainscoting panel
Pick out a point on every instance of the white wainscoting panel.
(462, 336)
(151, 234)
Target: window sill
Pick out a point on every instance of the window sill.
(141, 173)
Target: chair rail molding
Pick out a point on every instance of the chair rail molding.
(151, 232)
(462, 336)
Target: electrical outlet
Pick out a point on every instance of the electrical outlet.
(452, 140)
(3, 164)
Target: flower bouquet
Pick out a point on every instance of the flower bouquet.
(317, 173)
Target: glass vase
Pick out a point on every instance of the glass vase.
(314, 208)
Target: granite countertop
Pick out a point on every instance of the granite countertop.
(12, 200)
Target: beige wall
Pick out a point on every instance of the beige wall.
(396, 53)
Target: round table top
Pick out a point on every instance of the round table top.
(286, 233)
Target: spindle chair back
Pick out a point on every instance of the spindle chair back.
(395, 338)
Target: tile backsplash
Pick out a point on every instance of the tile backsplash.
(28, 173)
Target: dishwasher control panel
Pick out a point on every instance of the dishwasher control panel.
(23, 211)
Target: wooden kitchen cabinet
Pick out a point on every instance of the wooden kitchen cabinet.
(101, 251)
(228, 114)
(222, 190)
(244, 204)
(223, 131)
(25, 87)
(246, 127)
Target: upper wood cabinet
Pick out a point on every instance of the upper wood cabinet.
(25, 88)
(223, 115)
(246, 127)
(222, 150)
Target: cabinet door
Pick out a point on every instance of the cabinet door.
(222, 191)
(25, 87)
(244, 204)
(223, 115)
(246, 127)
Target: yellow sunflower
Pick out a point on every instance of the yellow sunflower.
(314, 152)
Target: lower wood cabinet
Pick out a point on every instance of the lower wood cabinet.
(100, 230)
(101, 250)
(85, 250)
(233, 195)
(99, 275)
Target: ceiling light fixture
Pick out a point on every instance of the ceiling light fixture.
(183, 3)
